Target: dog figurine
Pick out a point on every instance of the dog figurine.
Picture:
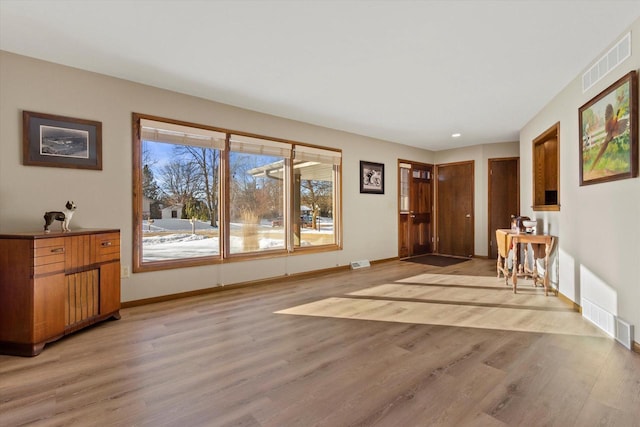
(64, 217)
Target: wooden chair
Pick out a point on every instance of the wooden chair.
(504, 243)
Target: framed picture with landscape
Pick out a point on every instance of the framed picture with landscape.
(609, 133)
(58, 141)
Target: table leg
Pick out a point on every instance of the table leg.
(514, 276)
(547, 251)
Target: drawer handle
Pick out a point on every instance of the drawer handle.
(106, 244)
(57, 250)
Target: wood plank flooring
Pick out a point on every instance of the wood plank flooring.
(398, 344)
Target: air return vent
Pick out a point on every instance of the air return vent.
(612, 325)
(624, 333)
(355, 265)
(609, 61)
(599, 316)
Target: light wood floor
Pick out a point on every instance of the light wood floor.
(398, 344)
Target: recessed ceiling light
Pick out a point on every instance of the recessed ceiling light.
(456, 135)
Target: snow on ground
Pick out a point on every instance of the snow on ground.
(172, 238)
(176, 246)
(187, 245)
(174, 224)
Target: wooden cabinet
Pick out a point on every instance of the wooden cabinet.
(546, 170)
(54, 284)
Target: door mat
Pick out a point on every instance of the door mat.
(436, 260)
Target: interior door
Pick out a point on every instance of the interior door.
(415, 210)
(504, 197)
(454, 209)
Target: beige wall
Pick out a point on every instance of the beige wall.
(598, 225)
(104, 197)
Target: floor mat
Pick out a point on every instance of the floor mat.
(436, 260)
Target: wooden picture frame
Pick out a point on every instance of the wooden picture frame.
(609, 133)
(58, 141)
(371, 177)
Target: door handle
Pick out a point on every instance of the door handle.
(468, 216)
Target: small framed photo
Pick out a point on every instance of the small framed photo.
(609, 133)
(371, 177)
(63, 142)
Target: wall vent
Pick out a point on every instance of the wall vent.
(599, 317)
(612, 325)
(614, 57)
(624, 333)
(360, 264)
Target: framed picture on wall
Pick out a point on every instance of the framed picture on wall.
(63, 142)
(609, 133)
(371, 177)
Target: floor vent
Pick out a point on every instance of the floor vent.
(599, 317)
(609, 61)
(624, 333)
(360, 264)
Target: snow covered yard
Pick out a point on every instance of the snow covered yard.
(167, 239)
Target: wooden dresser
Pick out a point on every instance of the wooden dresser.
(54, 284)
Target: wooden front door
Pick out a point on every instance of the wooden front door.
(415, 233)
(454, 209)
(504, 197)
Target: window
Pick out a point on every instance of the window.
(405, 170)
(315, 173)
(179, 186)
(202, 195)
(257, 185)
(546, 170)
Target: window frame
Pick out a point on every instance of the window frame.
(227, 254)
(139, 265)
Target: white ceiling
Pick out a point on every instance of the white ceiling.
(412, 72)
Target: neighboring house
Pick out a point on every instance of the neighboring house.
(146, 207)
(305, 210)
(172, 212)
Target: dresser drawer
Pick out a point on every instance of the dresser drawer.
(43, 245)
(49, 256)
(106, 247)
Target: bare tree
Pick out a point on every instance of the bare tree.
(317, 195)
(180, 181)
(258, 194)
(207, 161)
